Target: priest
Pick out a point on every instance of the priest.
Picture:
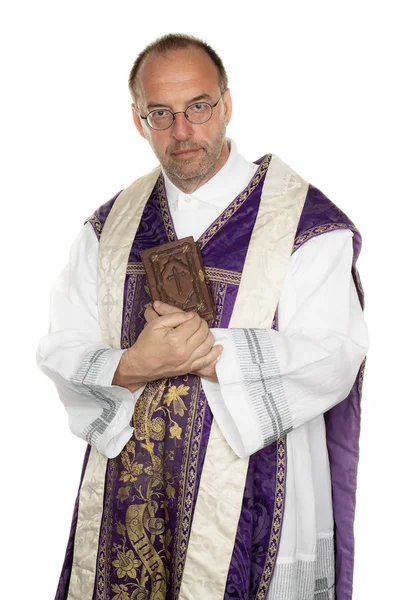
(222, 454)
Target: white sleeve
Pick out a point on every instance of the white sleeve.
(78, 362)
(273, 381)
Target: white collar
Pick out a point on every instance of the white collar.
(221, 186)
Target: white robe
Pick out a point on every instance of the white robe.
(321, 342)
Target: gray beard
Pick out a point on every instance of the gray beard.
(188, 180)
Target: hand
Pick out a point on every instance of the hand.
(208, 369)
(170, 345)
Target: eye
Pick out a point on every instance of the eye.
(199, 107)
(159, 114)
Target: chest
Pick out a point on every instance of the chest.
(223, 244)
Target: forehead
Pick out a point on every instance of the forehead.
(177, 76)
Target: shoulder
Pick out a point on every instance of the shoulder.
(324, 248)
(321, 216)
(139, 186)
(98, 218)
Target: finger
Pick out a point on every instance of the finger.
(210, 371)
(175, 319)
(205, 361)
(185, 331)
(150, 314)
(162, 308)
(203, 349)
(202, 335)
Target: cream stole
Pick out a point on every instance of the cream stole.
(223, 477)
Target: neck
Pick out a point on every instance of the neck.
(189, 186)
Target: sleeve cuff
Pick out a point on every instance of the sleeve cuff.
(263, 382)
(229, 401)
(111, 429)
(98, 368)
(249, 402)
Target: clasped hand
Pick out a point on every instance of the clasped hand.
(172, 343)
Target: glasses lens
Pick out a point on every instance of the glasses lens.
(199, 112)
(160, 119)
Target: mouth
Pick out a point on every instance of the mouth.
(185, 153)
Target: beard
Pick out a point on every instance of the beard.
(196, 167)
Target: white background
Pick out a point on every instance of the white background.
(315, 83)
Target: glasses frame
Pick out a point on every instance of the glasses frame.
(183, 112)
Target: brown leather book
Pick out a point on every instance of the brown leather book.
(176, 275)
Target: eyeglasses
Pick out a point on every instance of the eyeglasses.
(197, 113)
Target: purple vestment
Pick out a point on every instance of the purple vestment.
(151, 487)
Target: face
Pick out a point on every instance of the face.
(189, 153)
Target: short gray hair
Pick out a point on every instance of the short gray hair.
(177, 41)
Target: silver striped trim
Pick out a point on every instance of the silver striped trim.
(263, 382)
(91, 366)
(325, 576)
(306, 580)
(84, 379)
(322, 590)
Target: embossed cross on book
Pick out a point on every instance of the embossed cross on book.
(176, 275)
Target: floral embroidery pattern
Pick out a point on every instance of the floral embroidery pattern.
(141, 550)
(126, 564)
(121, 592)
(174, 395)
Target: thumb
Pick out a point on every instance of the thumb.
(162, 308)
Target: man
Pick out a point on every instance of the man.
(235, 477)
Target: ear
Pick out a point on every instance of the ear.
(227, 100)
(138, 121)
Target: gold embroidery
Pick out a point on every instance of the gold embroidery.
(187, 478)
(236, 204)
(121, 592)
(211, 273)
(277, 519)
(135, 268)
(223, 275)
(143, 563)
(133, 469)
(149, 557)
(126, 324)
(126, 563)
(175, 431)
(318, 230)
(123, 494)
(219, 292)
(169, 228)
(224, 217)
(174, 395)
(96, 224)
(103, 562)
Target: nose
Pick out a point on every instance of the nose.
(181, 128)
